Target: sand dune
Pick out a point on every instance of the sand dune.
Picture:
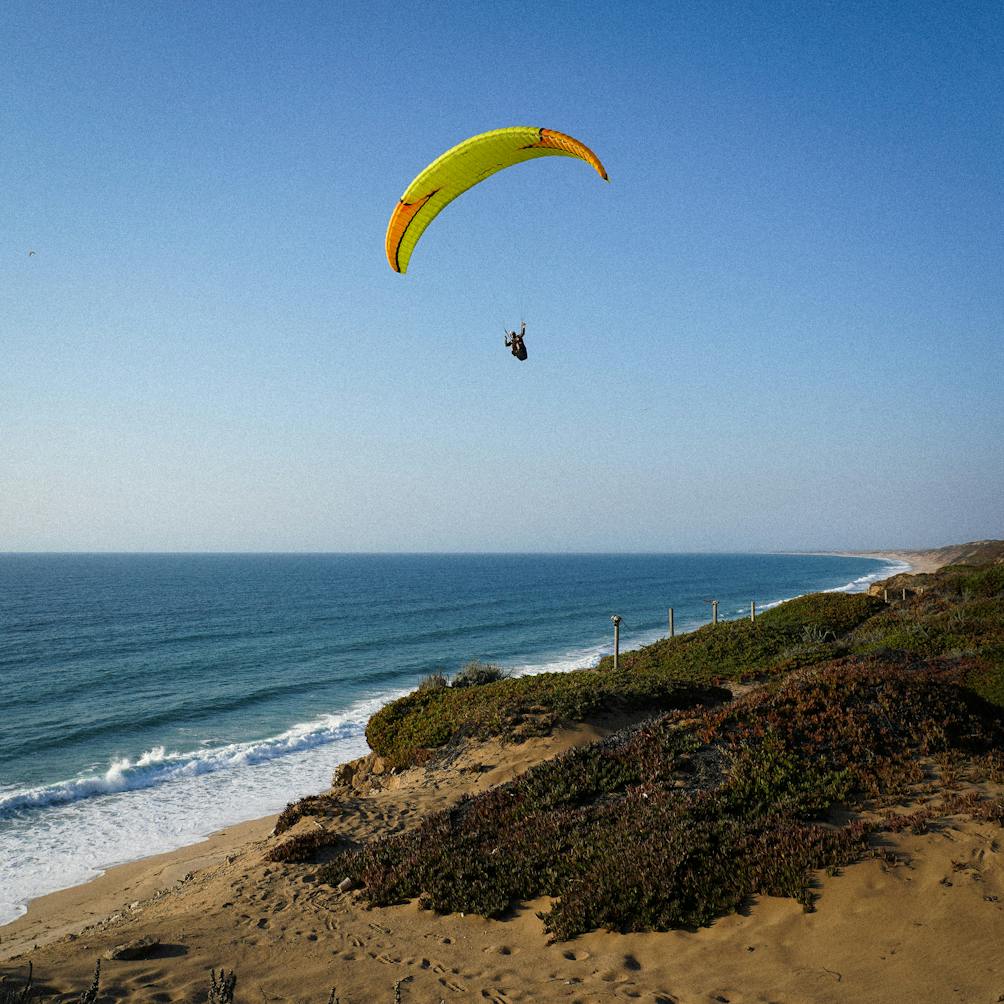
(927, 931)
(931, 559)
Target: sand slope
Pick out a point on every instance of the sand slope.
(930, 931)
(930, 560)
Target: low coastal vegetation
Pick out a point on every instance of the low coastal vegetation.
(409, 730)
(861, 704)
(798, 633)
(674, 673)
(684, 818)
(956, 613)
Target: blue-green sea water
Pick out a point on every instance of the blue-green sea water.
(147, 700)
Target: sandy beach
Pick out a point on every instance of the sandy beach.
(925, 923)
(926, 561)
(919, 561)
(926, 930)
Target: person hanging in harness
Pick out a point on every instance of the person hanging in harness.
(514, 342)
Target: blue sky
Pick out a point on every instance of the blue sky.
(779, 326)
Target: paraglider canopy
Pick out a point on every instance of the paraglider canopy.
(461, 168)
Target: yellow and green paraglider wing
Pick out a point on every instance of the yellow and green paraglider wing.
(463, 167)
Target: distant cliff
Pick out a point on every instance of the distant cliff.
(976, 552)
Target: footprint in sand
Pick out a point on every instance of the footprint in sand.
(455, 987)
(157, 997)
(611, 977)
(574, 956)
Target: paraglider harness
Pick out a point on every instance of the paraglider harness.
(514, 342)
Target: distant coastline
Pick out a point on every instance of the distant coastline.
(929, 560)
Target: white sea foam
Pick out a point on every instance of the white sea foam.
(590, 655)
(59, 835)
(861, 584)
(63, 834)
(858, 585)
(157, 766)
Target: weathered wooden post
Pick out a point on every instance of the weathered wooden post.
(714, 611)
(752, 610)
(904, 592)
(672, 630)
(617, 639)
(885, 595)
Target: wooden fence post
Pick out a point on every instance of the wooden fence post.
(617, 639)
(672, 630)
(714, 611)
(752, 610)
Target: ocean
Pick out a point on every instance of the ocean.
(149, 700)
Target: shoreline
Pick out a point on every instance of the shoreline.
(924, 561)
(125, 888)
(917, 562)
(131, 874)
(919, 920)
(67, 912)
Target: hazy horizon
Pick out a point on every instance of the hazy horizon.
(834, 552)
(778, 328)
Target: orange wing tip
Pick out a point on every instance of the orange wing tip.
(555, 140)
(400, 220)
